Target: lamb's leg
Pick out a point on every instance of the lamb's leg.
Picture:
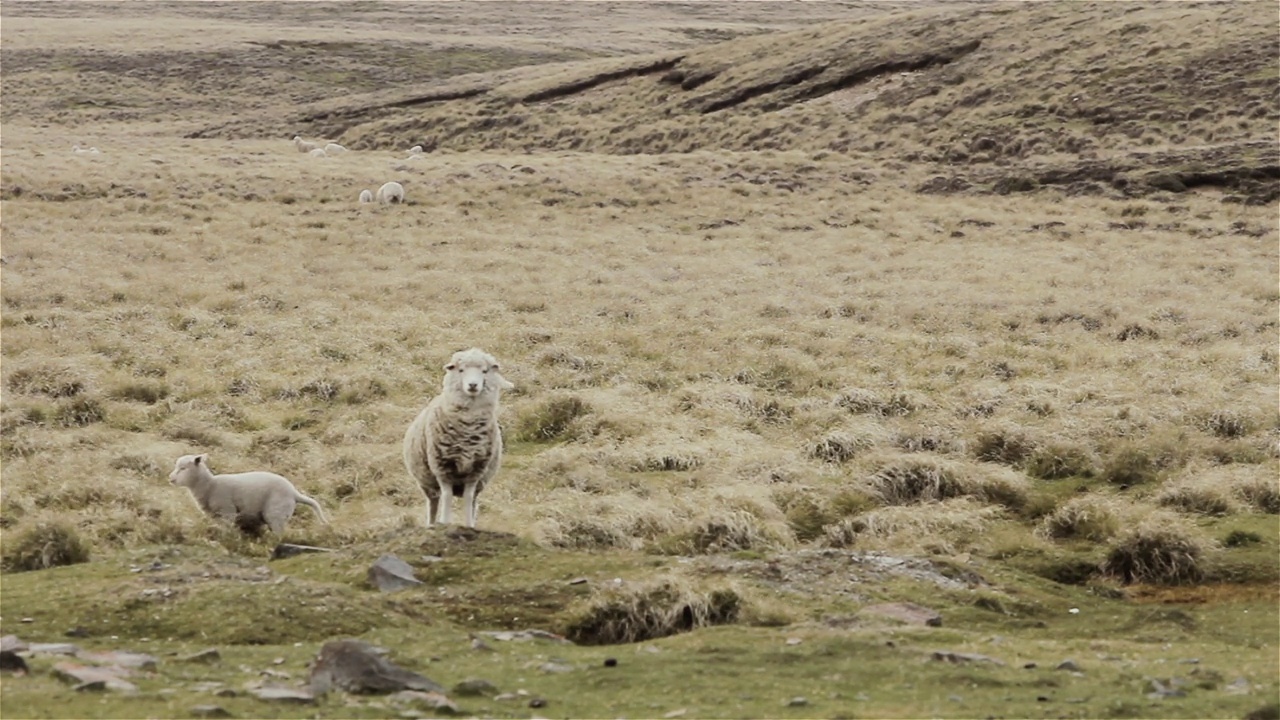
(277, 514)
(446, 503)
(469, 503)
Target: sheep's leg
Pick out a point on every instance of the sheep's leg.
(469, 503)
(277, 514)
(446, 503)
(433, 508)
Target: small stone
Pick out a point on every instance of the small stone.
(82, 675)
(226, 692)
(27, 620)
(210, 711)
(907, 612)
(955, 657)
(676, 713)
(611, 662)
(555, 667)
(425, 700)
(578, 581)
(797, 701)
(537, 703)
(1042, 698)
(1239, 686)
(281, 694)
(208, 655)
(1030, 666)
(482, 646)
(77, 632)
(794, 641)
(474, 687)
(288, 550)
(136, 661)
(91, 686)
(53, 649)
(1069, 665)
(504, 697)
(278, 661)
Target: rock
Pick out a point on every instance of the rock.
(611, 662)
(288, 550)
(474, 687)
(226, 692)
(284, 694)
(907, 612)
(676, 713)
(134, 661)
(794, 641)
(389, 574)
(53, 649)
(77, 632)
(209, 711)
(797, 701)
(91, 686)
(1239, 686)
(208, 655)
(955, 657)
(11, 643)
(478, 644)
(578, 581)
(11, 661)
(537, 703)
(506, 696)
(112, 678)
(1162, 690)
(526, 635)
(555, 666)
(431, 701)
(1069, 665)
(357, 667)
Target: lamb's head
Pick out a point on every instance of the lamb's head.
(187, 468)
(473, 374)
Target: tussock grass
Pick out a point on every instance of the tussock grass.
(651, 610)
(43, 545)
(1200, 495)
(914, 479)
(1096, 518)
(938, 527)
(1058, 460)
(1160, 549)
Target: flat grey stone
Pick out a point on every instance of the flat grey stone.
(420, 700)
(390, 574)
(132, 660)
(955, 657)
(11, 643)
(288, 550)
(907, 612)
(53, 649)
(112, 678)
(282, 694)
(1070, 665)
(210, 711)
(355, 666)
(474, 687)
(208, 655)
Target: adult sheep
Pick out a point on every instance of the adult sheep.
(302, 145)
(454, 447)
(334, 149)
(250, 500)
(392, 192)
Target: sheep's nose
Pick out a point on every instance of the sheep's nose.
(473, 387)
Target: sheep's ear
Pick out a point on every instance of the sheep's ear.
(201, 458)
(505, 384)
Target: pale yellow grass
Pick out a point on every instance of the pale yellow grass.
(291, 328)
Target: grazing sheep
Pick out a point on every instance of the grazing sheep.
(250, 499)
(318, 153)
(366, 196)
(334, 149)
(392, 192)
(76, 149)
(302, 145)
(416, 149)
(454, 446)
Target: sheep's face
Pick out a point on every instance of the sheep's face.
(185, 468)
(473, 373)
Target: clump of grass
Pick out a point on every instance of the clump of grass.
(916, 479)
(1241, 538)
(650, 611)
(1260, 493)
(1129, 464)
(44, 546)
(49, 380)
(1161, 549)
(861, 401)
(1200, 496)
(553, 419)
(807, 516)
(143, 392)
(363, 391)
(1227, 424)
(80, 411)
(941, 526)
(724, 532)
(1055, 461)
(195, 433)
(1007, 446)
(838, 447)
(1092, 518)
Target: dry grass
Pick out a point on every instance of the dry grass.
(698, 339)
(1161, 549)
(625, 614)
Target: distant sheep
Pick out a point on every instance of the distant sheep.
(334, 149)
(366, 196)
(454, 446)
(250, 499)
(77, 150)
(304, 146)
(318, 153)
(416, 149)
(392, 192)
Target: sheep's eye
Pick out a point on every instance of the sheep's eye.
(486, 369)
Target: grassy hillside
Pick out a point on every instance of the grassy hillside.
(811, 308)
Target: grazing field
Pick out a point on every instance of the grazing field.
(870, 359)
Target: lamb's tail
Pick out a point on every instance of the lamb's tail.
(314, 506)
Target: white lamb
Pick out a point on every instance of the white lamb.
(416, 149)
(318, 153)
(334, 149)
(392, 192)
(76, 149)
(454, 446)
(302, 145)
(366, 196)
(249, 500)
